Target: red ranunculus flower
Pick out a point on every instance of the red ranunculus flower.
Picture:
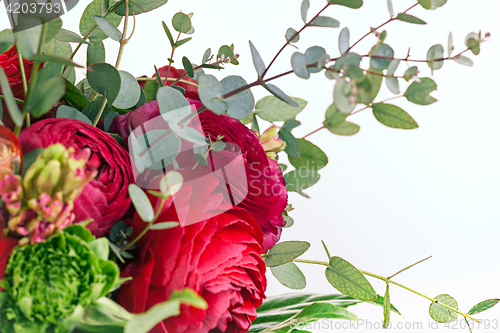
(7, 244)
(266, 195)
(219, 257)
(9, 61)
(105, 199)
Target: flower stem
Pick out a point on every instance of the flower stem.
(101, 110)
(123, 40)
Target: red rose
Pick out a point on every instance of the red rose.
(265, 195)
(219, 257)
(9, 61)
(105, 199)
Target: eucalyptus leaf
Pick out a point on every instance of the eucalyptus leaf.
(472, 42)
(387, 307)
(87, 22)
(342, 96)
(304, 7)
(257, 60)
(45, 95)
(171, 183)
(292, 33)
(345, 128)
(386, 54)
(181, 22)
(409, 18)
(272, 109)
(355, 4)
(418, 92)
(96, 53)
(299, 65)
(435, 52)
(69, 36)
(392, 84)
(210, 91)
(164, 225)
(463, 60)
(344, 37)
(187, 133)
(141, 203)
(109, 29)
(292, 146)
(172, 104)
(239, 106)
(432, 4)
(12, 107)
(280, 94)
(140, 6)
(311, 156)
(64, 111)
(105, 79)
(324, 21)
(313, 54)
(130, 92)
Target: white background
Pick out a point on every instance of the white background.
(388, 197)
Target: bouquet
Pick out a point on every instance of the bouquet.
(155, 203)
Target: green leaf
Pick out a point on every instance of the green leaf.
(225, 52)
(151, 89)
(292, 146)
(410, 73)
(284, 252)
(144, 322)
(173, 105)
(140, 6)
(392, 84)
(280, 94)
(272, 109)
(375, 80)
(418, 92)
(320, 310)
(87, 21)
(53, 28)
(299, 65)
(472, 42)
(355, 4)
(164, 225)
(188, 67)
(311, 157)
(182, 41)
(299, 180)
(7, 40)
(141, 203)
(188, 133)
(257, 60)
(409, 18)
(333, 117)
(100, 246)
(28, 41)
(181, 22)
(390, 7)
(313, 55)
(385, 52)
(239, 106)
(450, 44)
(483, 306)
(434, 53)
(304, 7)
(64, 111)
(109, 29)
(96, 53)
(290, 276)
(463, 60)
(108, 120)
(324, 21)
(168, 33)
(346, 128)
(393, 65)
(211, 91)
(171, 183)
(291, 33)
(130, 92)
(432, 4)
(441, 314)
(105, 79)
(45, 96)
(55, 59)
(387, 307)
(347, 279)
(342, 94)
(69, 36)
(12, 107)
(344, 40)
(289, 125)
(393, 116)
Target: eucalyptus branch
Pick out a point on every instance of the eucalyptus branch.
(123, 40)
(387, 280)
(380, 26)
(171, 59)
(143, 232)
(292, 38)
(414, 60)
(167, 79)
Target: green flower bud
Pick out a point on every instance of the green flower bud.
(48, 285)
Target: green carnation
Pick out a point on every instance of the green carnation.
(48, 285)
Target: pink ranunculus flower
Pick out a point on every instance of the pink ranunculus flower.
(105, 199)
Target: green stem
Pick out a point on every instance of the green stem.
(172, 56)
(143, 232)
(18, 101)
(123, 40)
(101, 110)
(22, 70)
(167, 79)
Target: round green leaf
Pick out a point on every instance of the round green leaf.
(311, 156)
(96, 53)
(304, 7)
(65, 111)
(385, 52)
(173, 105)
(299, 65)
(239, 106)
(333, 117)
(435, 52)
(45, 95)
(211, 91)
(472, 42)
(285, 252)
(441, 314)
(225, 51)
(188, 133)
(105, 79)
(273, 109)
(313, 55)
(393, 116)
(347, 279)
(171, 183)
(393, 65)
(141, 203)
(342, 96)
(299, 180)
(290, 276)
(181, 22)
(432, 4)
(130, 92)
(53, 27)
(291, 33)
(418, 92)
